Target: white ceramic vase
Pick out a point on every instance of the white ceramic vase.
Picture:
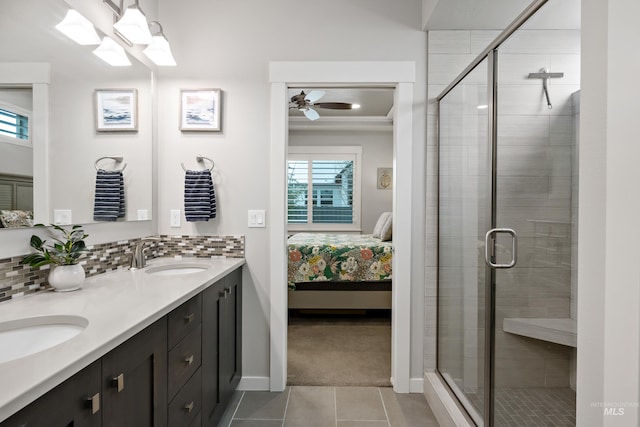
(64, 278)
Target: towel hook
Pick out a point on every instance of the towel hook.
(200, 158)
(117, 159)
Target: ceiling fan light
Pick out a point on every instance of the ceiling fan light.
(78, 28)
(159, 51)
(133, 26)
(112, 53)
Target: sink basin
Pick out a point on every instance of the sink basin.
(22, 337)
(177, 269)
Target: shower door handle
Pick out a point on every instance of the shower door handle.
(489, 245)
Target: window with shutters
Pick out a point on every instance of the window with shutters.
(14, 125)
(323, 188)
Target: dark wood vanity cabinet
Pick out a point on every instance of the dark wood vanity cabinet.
(221, 345)
(180, 371)
(134, 380)
(76, 402)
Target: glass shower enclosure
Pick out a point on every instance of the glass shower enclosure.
(507, 209)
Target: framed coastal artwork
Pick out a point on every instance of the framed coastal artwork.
(200, 110)
(116, 110)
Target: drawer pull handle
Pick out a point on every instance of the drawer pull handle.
(189, 318)
(189, 360)
(94, 403)
(189, 406)
(118, 382)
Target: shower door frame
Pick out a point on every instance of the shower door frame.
(491, 54)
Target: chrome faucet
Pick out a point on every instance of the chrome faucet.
(138, 259)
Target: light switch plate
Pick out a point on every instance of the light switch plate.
(62, 216)
(257, 218)
(174, 218)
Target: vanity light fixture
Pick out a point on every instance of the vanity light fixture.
(133, 25)
(112, 53)
(78, 28)
(158, 50)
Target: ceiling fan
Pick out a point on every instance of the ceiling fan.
(306, 102)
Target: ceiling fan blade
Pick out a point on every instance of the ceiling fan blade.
(334, 105)
(311, 114)
(314, 95)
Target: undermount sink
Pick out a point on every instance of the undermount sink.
(177, 269)
(22, 337)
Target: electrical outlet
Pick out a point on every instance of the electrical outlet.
(174, 218)
(62, 216)
(143, 214)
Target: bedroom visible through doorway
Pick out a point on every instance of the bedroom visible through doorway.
(339, 230)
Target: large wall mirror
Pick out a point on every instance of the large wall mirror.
(74, 142)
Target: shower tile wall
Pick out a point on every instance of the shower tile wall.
(535, 179)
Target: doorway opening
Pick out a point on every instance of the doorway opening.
(399, 76)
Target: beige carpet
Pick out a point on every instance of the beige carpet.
(339, 352)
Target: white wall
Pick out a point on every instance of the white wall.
(229, 45)
(377, 152)
(609, 206)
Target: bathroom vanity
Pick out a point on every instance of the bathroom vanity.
(161, 347)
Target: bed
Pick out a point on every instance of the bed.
(339, 271)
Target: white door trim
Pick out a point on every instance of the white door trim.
(401, 76)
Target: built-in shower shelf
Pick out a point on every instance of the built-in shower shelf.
(559, 331)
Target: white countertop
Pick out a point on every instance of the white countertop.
(117, 305)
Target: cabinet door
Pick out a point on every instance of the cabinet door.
(221, 345)
(75, 402)
(212, 297)
(134, 380)
(230, 331)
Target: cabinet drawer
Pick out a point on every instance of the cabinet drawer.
(184, 360)
(184, 319)
(186, 406)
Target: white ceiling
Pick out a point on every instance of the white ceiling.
(376, 104)
(498, 14)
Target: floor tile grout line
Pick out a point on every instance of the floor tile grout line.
(236, 410)
(335, 405)
(286, 405)
(384, 407)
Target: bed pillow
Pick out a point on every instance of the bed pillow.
(384, 218)
(387, 229)
(16, 219)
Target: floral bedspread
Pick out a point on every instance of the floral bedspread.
(338, 257)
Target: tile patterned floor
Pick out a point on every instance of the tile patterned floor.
(330, 407)
(533, 407)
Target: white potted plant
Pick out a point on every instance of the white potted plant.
(65, 253)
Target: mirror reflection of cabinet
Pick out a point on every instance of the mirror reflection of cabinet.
(63, 167)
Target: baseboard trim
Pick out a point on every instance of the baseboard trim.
(442, 404)
(416, 385)
(254, 384)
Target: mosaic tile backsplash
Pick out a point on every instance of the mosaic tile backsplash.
(17, 280)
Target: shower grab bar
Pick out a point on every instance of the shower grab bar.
(489, 244)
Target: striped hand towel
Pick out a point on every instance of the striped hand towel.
(199, 196)
(109, 199)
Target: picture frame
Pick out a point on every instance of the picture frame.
(116, 110)
(200, 110)
(385, 179)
